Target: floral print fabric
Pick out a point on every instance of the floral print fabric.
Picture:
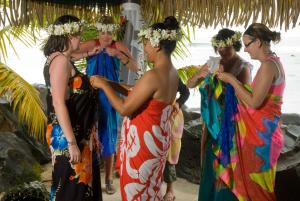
(144, 143)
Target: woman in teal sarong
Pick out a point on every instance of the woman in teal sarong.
(226, 43)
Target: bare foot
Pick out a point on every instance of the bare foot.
(169, 196)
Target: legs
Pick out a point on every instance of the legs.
(169, 178)
(109, 163)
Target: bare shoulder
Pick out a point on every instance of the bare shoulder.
(268, 66)
(267, 70)
(150, 75)
(59, 62)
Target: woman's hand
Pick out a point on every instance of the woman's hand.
(112, 52)
(98, 81)
(225, 77)
(95, 50)
(203, 71)
(200, 75)
(75, 156)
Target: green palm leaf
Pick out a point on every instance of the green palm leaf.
(187, 72)
(24, 99)
(9, 34)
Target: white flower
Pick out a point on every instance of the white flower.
(157, 35)
(228, 42)
(64, 29)
(106, 27)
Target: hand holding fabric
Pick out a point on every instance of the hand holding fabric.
(225, 77)
(112, 51)
(98, 81)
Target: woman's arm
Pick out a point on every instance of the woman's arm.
(141, 92)
(198, 77)
(121, 88)
(125, 57)
(59, 77)
(86, 49)
(245, 75)
(263, 82)
(184, 93)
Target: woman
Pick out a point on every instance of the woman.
(258, 136)
(106, 62)
(145, 134)
(227, 43)
(71, 103)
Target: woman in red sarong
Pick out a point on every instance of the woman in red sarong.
(258, 140)
(145, 134)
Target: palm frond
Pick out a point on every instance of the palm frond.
(9, 34)
(187, 72)
(24, 100)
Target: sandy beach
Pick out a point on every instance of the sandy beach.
(184, 190)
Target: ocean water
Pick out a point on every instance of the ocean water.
(30, 61)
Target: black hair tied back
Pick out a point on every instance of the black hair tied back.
(171, 23)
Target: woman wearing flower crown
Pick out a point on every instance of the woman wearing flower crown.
(71, 103)
(250, 167)
(145, 134)
(107, 62)
(227, 43)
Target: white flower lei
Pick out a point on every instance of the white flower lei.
(106, 27)
(65, 29)
(228, 42)
(157, 35)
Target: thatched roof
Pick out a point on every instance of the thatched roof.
(283, 13)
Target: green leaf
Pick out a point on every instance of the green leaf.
(24, 100)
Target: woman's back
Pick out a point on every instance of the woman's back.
(166, 80)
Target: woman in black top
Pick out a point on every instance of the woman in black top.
(71, 105)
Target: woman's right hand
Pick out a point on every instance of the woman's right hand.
(201, 74)
(203, 71)
(75, 155)
(98, 81)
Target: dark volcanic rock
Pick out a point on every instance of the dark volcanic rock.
(33, 191)
(17, 164)
(9, 123)
(188, 166)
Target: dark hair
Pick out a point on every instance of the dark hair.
(170, 23)
(59, 43)
(106, 19)
(263, 33)
(223, 35)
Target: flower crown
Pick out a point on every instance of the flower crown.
(228, 42)
(106, 27)
(157, 35)
(65, 29)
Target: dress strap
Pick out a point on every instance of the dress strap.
(52, 57)
(276, 61)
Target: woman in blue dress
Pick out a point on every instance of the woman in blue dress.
(104, 58)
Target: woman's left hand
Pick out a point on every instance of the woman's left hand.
(112, 51)
(225, 77)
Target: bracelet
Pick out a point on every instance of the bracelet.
(71, 143)
(126, 62)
